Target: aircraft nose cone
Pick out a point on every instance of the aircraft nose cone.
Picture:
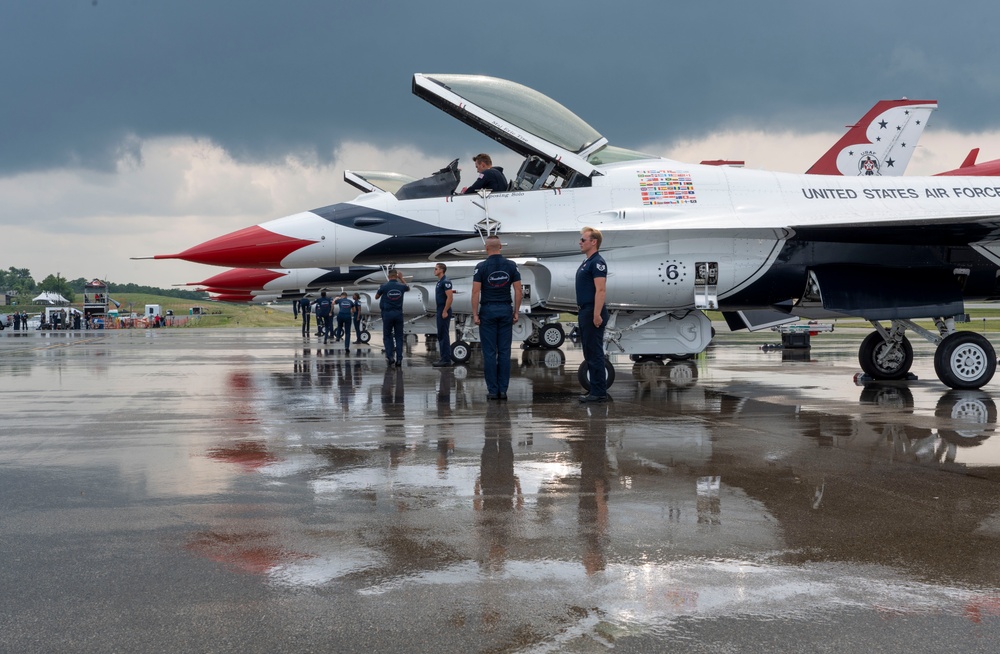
(241, 279)
(253, 247)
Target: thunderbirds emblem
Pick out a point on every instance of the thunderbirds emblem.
(869, 165)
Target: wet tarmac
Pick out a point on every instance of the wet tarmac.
(245, 491)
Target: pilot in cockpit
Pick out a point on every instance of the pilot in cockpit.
(489, 177)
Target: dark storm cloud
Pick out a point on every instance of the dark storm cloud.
(80, 79)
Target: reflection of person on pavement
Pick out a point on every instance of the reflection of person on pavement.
(488, 177)
(498, 490)
(394, 417)
(595, 475)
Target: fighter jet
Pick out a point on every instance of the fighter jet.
(678, 238)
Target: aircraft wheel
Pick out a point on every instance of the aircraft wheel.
(583, 374)
(534, 340)
(965, 360)
(552, 336)
(972, 415)
(554, 359)
(460, 351)
(365, 336)
(887, 396)
(682, 374)
(883, 360)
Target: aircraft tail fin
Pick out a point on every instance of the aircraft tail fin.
(881, 143)
(970, 159)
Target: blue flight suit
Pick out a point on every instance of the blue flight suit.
(592, 338)
(496, 277)
(324, 313)
(304, 309)
(491, 178)
(345, 311)
(443, 324)
(390, 297)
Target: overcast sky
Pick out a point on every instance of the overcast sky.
(134, 127)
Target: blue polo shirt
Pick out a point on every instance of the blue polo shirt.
(441, 293)
(345, 306)
(391, 295)
(592, 268)
(324, 307)
(496, 276)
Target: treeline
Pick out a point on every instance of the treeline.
(20, 281)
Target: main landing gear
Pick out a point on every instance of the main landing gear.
(962, 360)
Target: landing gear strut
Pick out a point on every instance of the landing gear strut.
(963, 360)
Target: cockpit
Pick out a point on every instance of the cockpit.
(560, 149)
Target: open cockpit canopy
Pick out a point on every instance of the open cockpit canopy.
(556, 143)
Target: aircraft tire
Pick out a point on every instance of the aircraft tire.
(552, 336)
(365, 336)
(894, 367)
(973, 416)
(965, 360)
(583, 375)
(460, 352)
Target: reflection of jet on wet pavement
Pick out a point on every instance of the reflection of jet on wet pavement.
(426, 488)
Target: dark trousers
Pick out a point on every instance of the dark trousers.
(592, 341)
(344, 327)
(496, 329)
(327, 328)
(305, 323)
(357, 328)
(444, 337)
(392, 335)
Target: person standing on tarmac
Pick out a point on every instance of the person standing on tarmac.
(495, 311)
(345, 307)
(591, 289)
(304, 308)
(324, 313)
(390, 296)
(443, 293)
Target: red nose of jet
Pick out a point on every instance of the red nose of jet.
(241, 279)
(253, 247)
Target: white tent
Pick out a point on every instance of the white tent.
(48, 297)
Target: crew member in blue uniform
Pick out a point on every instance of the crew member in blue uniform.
(591, 288)
(495, 311)
(345, 312)
(443, 293)
(390, 297)
(324, 313)
(304, 304)
(489, 177)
